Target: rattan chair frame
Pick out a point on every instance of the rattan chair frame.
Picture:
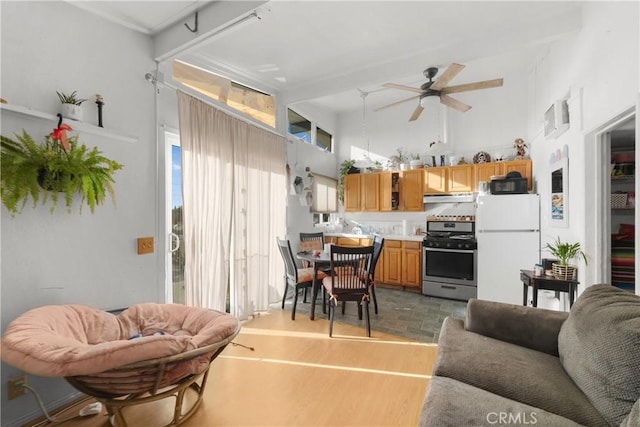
(142, 382)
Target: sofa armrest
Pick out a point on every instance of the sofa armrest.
(530, 327)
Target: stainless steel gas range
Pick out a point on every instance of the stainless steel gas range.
(449, 258)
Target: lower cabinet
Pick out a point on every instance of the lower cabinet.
(401, 263)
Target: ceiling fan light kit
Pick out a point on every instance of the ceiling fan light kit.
(439, 88)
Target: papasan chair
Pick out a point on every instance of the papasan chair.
(146, 353)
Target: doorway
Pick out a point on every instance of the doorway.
(617, 243)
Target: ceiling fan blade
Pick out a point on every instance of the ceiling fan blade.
(393, 104)
(454, 103)
(416, 113)
(403, 87)
(451, 71)
(472, 86)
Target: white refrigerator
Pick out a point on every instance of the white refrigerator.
(508, 235)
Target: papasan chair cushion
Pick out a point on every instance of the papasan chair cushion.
(71, 340)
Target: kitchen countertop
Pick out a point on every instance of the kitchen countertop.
(413, 238)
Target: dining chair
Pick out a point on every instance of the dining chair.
(297, 278)
(349, 285)
(311, 242)
(378, 243)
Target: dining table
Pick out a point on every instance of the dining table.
(318, 259)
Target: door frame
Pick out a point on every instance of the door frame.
(169, 137)
(599, 244)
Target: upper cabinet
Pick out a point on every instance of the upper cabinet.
(435, 180)
(523, 166)
(370, 190)
(404, 190)
(389, 191)
(361, 192)
(460, 179)
(411, 190)
(352, 192)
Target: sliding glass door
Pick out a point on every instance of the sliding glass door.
(175, 225)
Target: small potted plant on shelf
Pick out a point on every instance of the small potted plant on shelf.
(400, 160)
(565, 252)
(415, 162)
(58, 168)
(71, 105)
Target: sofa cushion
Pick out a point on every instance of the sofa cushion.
(633, 419)
(599, 347)
(451, 403)
(518, 373)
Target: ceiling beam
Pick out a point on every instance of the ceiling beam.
(212, 19)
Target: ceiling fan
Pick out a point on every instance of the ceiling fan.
(439, 88)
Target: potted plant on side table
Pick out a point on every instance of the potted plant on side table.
(565, 252)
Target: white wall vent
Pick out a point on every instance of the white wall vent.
(556, 119)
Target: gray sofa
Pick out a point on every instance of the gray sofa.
(514, 365)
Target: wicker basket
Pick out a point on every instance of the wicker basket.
(619, 200)
(564, 272)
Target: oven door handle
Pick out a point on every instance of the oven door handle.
(458, 251)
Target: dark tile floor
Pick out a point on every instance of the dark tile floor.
(406, 314)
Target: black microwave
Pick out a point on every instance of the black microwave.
(509, 186)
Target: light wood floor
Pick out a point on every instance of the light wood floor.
(298, 376)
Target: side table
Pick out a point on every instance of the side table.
(548, 283)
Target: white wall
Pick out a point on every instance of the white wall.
(598, 70)
(63, 258)
(301, 155)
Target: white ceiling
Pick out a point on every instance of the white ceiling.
(326, 50)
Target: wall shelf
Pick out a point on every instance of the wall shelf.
(77, 126)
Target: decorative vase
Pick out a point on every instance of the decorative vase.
(72, 111)
(404, 166)
(564, 272)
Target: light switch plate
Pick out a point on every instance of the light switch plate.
(145, 245)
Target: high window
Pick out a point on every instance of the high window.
(308, 131)
(258, 105)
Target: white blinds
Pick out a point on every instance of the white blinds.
(325, 194)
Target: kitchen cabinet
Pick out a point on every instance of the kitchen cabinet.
(352, 192)
(435, 180)
(411, 190)
(484, 171)
(523, 166)
(384, 191)
(370, 191)
(460, 179)
(361, 192)
(389, 191)
(411, 263)
(392, 262)
(401, 263)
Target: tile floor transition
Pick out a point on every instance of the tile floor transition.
(406, 314)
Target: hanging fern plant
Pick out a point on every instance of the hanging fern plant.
(58, 168)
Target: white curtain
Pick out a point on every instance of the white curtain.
(234, 195)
